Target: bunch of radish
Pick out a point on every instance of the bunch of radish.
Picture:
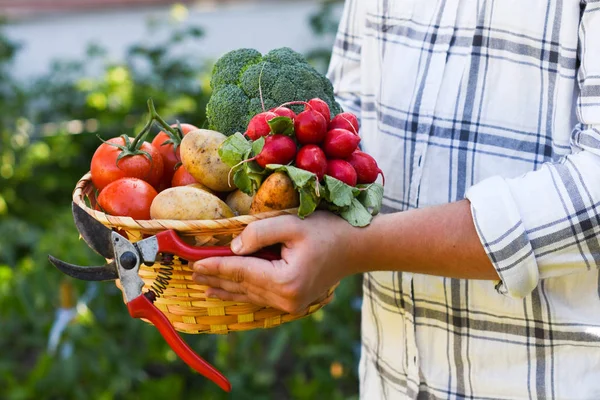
(319, 144)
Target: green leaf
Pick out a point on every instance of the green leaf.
(305, 183)
(242, 181)
(308, 202)
(371, 198)
(258, 145)
(338, 192)
(357, 214)
(300, 177)
(282, 125)
(234, 149)
(248, 177)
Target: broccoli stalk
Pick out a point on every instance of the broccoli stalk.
(283, 75)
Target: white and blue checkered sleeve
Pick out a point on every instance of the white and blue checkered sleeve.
(345, 65)
(547, 223)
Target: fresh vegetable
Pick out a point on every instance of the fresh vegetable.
(365, 166)
(284, 112)
(312, 158)
(123, 157)
(316, 186)
(259, 125)
(127, 197)
(340, 143)
(319, 106)
(201, 187)
(239, 202)
(343, 171)
(182, 177)
(310, 127)
(345, 120)
(167, 143)
(276, 193)
(278, 149)
(188, 203)
(200, 157)
(245, 83)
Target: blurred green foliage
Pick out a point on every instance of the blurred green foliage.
(47, 136)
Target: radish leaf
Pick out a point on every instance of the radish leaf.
(282, 125)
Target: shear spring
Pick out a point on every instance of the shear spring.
(164, 274)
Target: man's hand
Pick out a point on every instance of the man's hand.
(316, 254)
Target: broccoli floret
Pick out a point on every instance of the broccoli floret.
(227, 69)
(264, 73)
(227, 108)
(284, 56)
(285, 76)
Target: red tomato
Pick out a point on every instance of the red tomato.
(105, 169)
(169, 155)
(182, 177)
(128, 197)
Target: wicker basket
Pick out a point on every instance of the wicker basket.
(179, 298)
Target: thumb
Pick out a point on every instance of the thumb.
(266, 232)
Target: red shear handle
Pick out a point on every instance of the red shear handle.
(142, 307)
(170, 242)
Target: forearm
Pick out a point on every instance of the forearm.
(439, 240)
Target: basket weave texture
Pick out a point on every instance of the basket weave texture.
(183, 301)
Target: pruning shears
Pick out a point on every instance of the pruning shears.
(124, 259)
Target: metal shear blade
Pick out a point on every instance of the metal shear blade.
(106, 272)
(96, 235)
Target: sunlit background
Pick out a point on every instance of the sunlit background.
(73, 70)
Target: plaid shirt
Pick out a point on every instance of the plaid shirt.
(497, 101)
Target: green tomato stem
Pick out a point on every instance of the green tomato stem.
(141, 136)
(154, 115)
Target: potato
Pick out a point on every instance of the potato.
(276, 193)
(201, 187)
(239, 202)
(185, 203)
(200, 157)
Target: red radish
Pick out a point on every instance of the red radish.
(319, 106)
(258, 125)
(278, 149)
(345, 120)
(342, 170)
(283, 112)
(310, 127)
(340, 143)
(311, 158)
(365, 166)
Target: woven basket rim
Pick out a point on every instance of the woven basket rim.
(85, 186)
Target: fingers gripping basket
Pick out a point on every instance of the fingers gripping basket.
(182, 300)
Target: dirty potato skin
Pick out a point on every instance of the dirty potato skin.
(188, 203)
(239, 202)
(276, 193)
(200, 157)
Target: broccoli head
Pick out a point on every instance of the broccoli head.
(244, 80)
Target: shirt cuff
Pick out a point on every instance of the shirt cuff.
(503, 236)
